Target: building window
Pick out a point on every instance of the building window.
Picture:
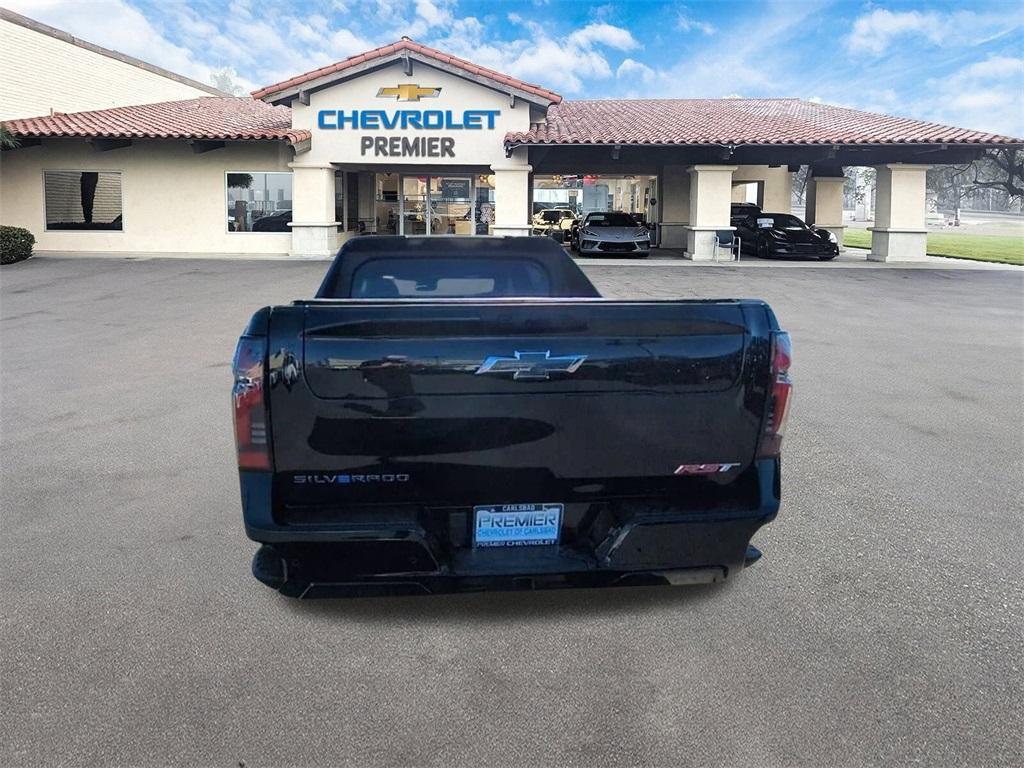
(83, 200)
(259, 202)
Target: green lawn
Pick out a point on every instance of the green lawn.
(1008, 250)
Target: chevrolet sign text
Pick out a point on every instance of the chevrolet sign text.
(407, 119)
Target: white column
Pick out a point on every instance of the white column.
(899, 233)
(675, 206)
(825, 204)
(511, 198)
(314, 229)
(710, 199)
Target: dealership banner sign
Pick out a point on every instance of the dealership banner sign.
(407, 120)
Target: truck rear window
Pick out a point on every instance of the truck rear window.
(449, 278)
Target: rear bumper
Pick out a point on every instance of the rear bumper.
(402, 552)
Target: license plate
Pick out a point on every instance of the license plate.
(516, 525)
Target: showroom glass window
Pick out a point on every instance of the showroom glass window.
(258, 202)
(83, 200)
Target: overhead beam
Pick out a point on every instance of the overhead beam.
(570, 159)
(200, 147)
(106, 145)
(826, 170)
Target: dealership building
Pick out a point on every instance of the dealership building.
(127, 158)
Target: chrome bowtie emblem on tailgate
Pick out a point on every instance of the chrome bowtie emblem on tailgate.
(532, 365)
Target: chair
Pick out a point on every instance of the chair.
(726, 238)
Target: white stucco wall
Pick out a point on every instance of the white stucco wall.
(42, 73)
(776, 186)
(174, 201)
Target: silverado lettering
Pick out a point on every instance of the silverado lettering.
(346, 479)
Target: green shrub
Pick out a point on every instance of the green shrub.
(15, 244)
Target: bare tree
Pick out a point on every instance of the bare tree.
(800, 179)
(998, 169)
(1001, 169)
(950, 184)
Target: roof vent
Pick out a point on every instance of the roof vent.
(407, 38)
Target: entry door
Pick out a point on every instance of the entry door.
(437, 205)
(452, 200)
(414, 205)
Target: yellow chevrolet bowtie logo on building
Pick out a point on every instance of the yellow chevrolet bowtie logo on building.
(408, 92)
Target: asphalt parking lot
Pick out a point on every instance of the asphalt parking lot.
(883, 626)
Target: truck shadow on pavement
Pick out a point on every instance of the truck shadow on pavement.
(502, 606)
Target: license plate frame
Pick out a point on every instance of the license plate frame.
(517, 525)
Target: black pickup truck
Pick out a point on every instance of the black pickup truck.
(466, 413)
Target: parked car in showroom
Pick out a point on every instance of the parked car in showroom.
(555, 223)
(611, 232)
(782, 235)
(740, 211)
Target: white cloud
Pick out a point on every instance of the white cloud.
(432, 14)
(604, 34)
(985, 95)
(303, 32)
(560, 63)
(875, 32)
(686, 23)
(116, 25)
(631, 70)
(345, 43)
(761, 66)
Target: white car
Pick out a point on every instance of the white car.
(612, 233)
(554, 222)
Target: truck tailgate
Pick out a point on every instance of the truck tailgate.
(461, 401)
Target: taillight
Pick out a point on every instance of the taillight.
(249, 404)
(770, 444)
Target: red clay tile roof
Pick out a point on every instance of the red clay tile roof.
(734, 121)
(408, 45)
(213, 118)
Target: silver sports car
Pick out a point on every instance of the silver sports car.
(612, 233)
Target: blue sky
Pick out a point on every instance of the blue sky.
(952, 62)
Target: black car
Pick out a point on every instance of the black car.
(739, 211)
(274, 222)
(782, 235)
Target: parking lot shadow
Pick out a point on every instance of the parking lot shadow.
(503, 606)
